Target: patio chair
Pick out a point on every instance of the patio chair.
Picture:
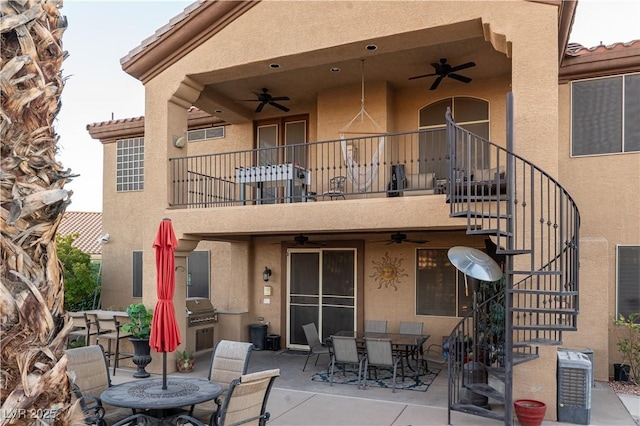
(345, 351)
(87, 367)
(245, 402)
(229, 361)
(411, 327)
(110, 330)
(336, 187)
(316, 347)
(375, 326)
(380, 354)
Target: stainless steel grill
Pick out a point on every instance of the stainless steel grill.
(200, 311)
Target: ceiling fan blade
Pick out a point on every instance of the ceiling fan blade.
(421, 76)
(280, 98)
(417, 241)
(459, 77)
(281, 107)
(435, 84)
(260, 107)
(463, 66)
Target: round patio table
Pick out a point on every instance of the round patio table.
(148, 396)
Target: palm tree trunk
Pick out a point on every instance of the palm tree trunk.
(33, 380)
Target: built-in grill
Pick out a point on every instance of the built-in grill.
(200, 311)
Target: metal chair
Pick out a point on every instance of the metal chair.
(87, 367)
(110, 330)
(79, 330)
(411, 327)
(316, 347)
(380, 354)
(229, 361)
(336, 187)
(345, 351)
(245, 402)
(375, 326)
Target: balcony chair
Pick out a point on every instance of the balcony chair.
(245, 402)
(380, 354)
(229, 361)
(110, 330)
(345, 351)
(316, 347)
(89, 373)
(336, 187)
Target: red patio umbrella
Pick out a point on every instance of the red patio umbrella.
(165, 336)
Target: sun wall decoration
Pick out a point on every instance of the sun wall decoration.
(388, 271)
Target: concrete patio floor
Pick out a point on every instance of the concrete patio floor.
(297, 400)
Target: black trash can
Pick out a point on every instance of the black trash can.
(258, 333)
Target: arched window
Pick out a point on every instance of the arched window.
(470, 113)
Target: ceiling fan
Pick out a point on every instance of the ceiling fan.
(399, 238)
(265, 98)
(302, 240)
(443, 69)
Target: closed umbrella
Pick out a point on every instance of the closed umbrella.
(165, 336)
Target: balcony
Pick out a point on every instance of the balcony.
(374, 166)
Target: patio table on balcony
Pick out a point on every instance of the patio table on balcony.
(287, 175)
(411, 342)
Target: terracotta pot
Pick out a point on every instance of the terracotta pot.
(186, 366)
(530, 412)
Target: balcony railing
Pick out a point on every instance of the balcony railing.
(386, 165)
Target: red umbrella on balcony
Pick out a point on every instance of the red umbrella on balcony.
(165, 336)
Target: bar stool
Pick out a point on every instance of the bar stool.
(109, 329)
(79, 330)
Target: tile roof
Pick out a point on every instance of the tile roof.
(89, 227)
(576, 49)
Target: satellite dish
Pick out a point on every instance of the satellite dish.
(475, 263)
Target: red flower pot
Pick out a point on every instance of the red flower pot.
(530, 412)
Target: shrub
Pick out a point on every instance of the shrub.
(628, 332)
(81, 276)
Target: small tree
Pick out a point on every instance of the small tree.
(628, 331)
(80, 274)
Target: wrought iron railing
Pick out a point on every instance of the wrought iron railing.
(386, 165)
(535, 224)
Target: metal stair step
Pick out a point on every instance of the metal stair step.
(558, 273)
(546, 327)
(489, 232)
(477, 411)
(486, 390)
(558, 293)
(514, 251)
(536, 342)
(518, 358)
(534, 310)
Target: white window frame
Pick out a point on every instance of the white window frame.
(208, 133)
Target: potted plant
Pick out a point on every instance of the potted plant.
(185, 362)
(628, 333)
(140, 329)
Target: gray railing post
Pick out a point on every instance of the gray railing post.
(508, 297)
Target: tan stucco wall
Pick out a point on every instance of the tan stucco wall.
(531, 30)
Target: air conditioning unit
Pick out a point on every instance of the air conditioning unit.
(575, 373)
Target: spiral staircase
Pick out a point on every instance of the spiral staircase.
(533, 225)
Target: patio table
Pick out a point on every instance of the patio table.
(410, 342)
(148, 398)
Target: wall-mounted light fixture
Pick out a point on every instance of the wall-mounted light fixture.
(266, 274)
(104, 239)
(178, 142)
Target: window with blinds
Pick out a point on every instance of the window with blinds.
(604, 115)
(628, 275)
(137, 274)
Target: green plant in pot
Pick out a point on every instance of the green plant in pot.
(140, 328)
(628, 333)
(185, 362)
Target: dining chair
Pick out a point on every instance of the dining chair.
(316, 347)
(230, 360)
(375, 326)
(336, 187)
(345, 351)
(245, 402)
(110, 330)
(412, 327)
(380, 354)
(88, 370)
(79, 330)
